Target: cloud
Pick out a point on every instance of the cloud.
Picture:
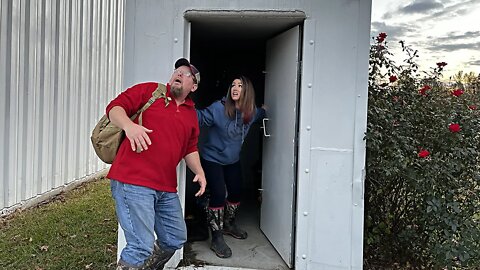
(422, 7)
(474, 62)
(412, 29)
(441, 30)
(454, 46)
(456, 9)
(453, 36)
(394, 32)
(454, 41)
(432, 10)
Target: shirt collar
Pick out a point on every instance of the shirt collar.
(188, 101)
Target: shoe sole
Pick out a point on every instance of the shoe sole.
(235, 236)
(220, 255)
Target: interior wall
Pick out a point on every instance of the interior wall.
(220, 60)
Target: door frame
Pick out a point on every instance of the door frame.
(198, 15)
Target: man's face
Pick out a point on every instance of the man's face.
(182, 82)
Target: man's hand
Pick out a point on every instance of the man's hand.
(200, 178)
(193, 162)
(136, 134)
(138, 137)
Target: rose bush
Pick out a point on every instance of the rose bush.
(422, 198)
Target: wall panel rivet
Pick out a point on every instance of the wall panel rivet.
(309, 127)
(304, 256)
(311, 42)
(307, 170)
(305, 213)
(175, 40)
(309, 85)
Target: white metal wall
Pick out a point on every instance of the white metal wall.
(61, 61)
(333, 106)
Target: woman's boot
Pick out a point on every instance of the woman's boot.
(215, 221)
(230, 227)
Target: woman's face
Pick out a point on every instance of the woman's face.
(236, 89)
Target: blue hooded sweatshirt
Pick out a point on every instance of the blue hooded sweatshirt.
(225, 135)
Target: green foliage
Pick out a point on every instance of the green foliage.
(423, 171)
(77, 230)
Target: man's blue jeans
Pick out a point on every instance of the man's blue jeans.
(143, 212)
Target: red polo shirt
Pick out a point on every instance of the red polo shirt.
(175, 135)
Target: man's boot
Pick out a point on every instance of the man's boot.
(230, 227)
(158, 259)
(121, 265)
(215, 221)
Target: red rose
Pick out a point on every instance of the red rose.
(423, 154)
(392, 78)
(441, 64)
(423, 90)
(454, 127)
(381, 37)
(472, 107)
(457, 92)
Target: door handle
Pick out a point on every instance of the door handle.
(264, 127)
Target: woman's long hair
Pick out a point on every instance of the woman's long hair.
(246, 101)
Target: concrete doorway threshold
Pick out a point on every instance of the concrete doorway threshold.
(253, 253)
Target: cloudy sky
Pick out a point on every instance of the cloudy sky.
(441, 30)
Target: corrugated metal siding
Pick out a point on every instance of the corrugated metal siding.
(61, 62)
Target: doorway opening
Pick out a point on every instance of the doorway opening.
(224, 44)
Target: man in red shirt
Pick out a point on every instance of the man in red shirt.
(144, 182)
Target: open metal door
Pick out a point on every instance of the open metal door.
(279, 143)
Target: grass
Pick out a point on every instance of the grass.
(75, 230)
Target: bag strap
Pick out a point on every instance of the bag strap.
(159, 92)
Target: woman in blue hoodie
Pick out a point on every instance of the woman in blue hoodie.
(228, 120)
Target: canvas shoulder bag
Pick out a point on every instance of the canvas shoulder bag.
(106, 137)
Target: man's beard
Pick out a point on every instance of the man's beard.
(177, 91)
